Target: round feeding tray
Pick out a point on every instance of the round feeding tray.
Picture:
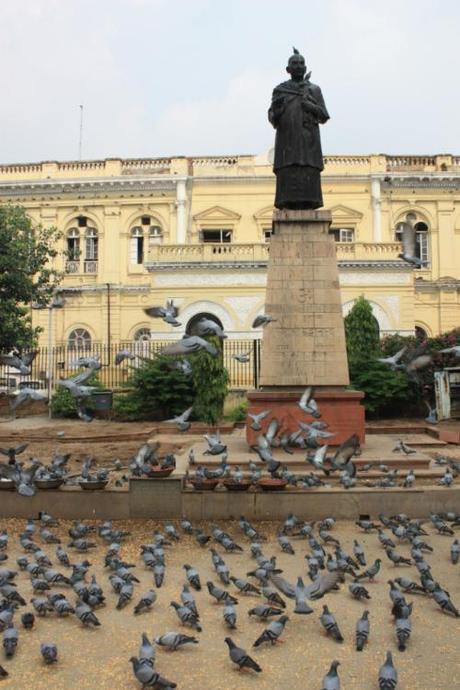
(205, 484)
(48, 483)
(272, 484)
(231, 485)
(95, 485)
(160, 473)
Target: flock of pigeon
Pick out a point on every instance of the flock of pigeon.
(28, 478)
(327, 564)
(312, 436)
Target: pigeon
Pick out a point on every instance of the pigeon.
(331, 680)
(189, 344)
(301, 605)
(370, 572)
(149, 678)
(19, 362)
(396, 558)
(192, 577)
(244, 586)
(330, 625)
(257, 418)
(10, 641)
(220, 595)
(272, 632)
(358, 552)
(11, 453)
(146, 651)
(443, 600)
(403, 631)
(240, 657)
(215, 446)
(173, 640)
(186, 616)
(146, 602)
(49, 652)
(168, 313)
(181, 421)
(394, 359)
(28, 620)
(25, 394)
(262, 320)
(357, 591)
(362, 631)
(307, 404)
(455, 552)
(122, 355)
(409, 240)
(402, 447)
(388, 676)
(264, 611)
(409, 480)
(454, 350)
(229, 615)
(86, 615)
(243, 357)
(205, 326)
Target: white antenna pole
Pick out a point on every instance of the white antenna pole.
(80, 144)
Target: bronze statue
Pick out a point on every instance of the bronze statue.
(296, 111)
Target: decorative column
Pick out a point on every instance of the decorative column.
(181, 209)
(376, 217)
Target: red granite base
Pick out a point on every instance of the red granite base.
(339, 407)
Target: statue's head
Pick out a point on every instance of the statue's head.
(296, 65)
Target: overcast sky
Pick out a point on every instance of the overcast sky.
(191, 77)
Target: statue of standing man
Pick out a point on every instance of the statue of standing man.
(296, 111)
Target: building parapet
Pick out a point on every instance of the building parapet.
(231, 165)
(257, 254)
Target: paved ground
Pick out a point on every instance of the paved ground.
(98, 659)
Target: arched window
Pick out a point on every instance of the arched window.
(142, 335)
(420, 333)
(421, 237)
(79, 339)
(191, 328)
(145, 228)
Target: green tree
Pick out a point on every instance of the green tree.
(157, 391)
(210, 379)
(361, 332)
(26, 274)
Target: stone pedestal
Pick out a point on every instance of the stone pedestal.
(305, 346)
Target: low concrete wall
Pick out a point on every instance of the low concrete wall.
(164, 498)
(67, 504)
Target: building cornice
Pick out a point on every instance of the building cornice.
(153, 266)
(114, 186)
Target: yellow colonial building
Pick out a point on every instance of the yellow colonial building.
(197, 230)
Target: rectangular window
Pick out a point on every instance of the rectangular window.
(91, 248)
(267, 234)
(343, 234)
(73, 248)
(217, 236)
(137, 250)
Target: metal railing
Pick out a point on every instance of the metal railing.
(242, 376)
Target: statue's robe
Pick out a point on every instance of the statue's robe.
(296, 111)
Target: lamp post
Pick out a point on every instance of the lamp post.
(57, 302)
